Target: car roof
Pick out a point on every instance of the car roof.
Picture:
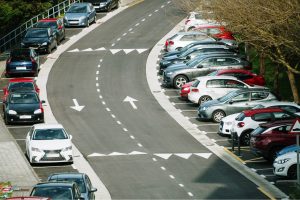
(277, 123)
(234, 70)
(216, 77)
(47, 126)
(279, 103)
(191, 33)
(55, 184)
(17, 80)
(249, 113)
(219, 54)
(82, 3)
(68, 174)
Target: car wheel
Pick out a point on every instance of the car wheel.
(273, 153)
(55, 46)
(245, 138)
(204, 99)
(292, 172)
(95, 18)
(179, 81)
(218, 115)
(87, 22)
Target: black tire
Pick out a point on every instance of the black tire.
(218, 115)
(179, 81)
(245, 138)
(203, 99)
(292, 172)
(273, 153)
(94, 21)
(6, 120)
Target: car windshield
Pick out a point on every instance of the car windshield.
(50, 134)
(46, 25)
(186, 53)
(20, 86)
(23, 98)
(77, 9)
(37, 33)
(77, 180)
(55, 193)
(20, 55)
(228, 96)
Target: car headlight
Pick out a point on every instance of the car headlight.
(44, 43)
(283, 161)
(169, 73)
(35, 149)
(12, 112)
(68, 148)
(38, 111)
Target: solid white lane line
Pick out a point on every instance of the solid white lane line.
(113, 116)
(171, 176)
(163, 168)
(140, 145)
(124, 129)
(132, 137)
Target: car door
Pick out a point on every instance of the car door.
(239, 103)
(204, 67)
(216, 88)
(228, 63)
(36, 57)
(257, 97)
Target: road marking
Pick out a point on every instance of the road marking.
(97, 78)
(100, 97)
(97, 84)
(183, 155)
(181, 185)
(163, 155)
(100, 49)
(101, 60)
(124, 129)
(219, 140)
(154, 159)
(99, 66)
(131, 101)
(141, 50)
(108, 109)
(143, 20)
(156, 11)
(103, 102)
(113, 116)
(116, 154)
(98, 90)
(256, 160)
(171, 176)
(88, 49)
(114, 51)
(190, 194)
(140, 145)
(137, 153)
(76, 106)
(162, 6)
(137, 24)
(253, 169)
(170, 97)
(118, 122)
(266, 193)
(132, 137)
(124, 34)
(150, 15)
(130, 29)
(113, 44)
(118, 39)
(127, 51)
(74, 50)
(97, 72)
(182, 103)
(163, 168)
(235, 156)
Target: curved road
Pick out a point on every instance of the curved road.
(136, 148)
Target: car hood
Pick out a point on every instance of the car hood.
(75, 15)
(24, 107)
(35, 40)
(51, 144)
(176, 67)
(230, 118)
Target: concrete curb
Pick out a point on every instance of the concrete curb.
(156, 90)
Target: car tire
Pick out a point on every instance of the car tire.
(204, 99)
(95, 18)
(179, 81)
(245, 138)
(292, 172)
(87, 22)
(218, 115)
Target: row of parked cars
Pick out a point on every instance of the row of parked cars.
(204, 63)
(45, 143)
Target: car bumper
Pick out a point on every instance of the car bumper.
(224, 129)
(202, 114)
(24, 71)
(167, 81)
(26, 118)
(42, 157)
(75, 23)
(193, 97)
(280, 169)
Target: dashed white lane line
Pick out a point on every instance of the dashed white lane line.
(98, 90)
(171, 176)
(168, 2)
(99, 65)
(132, 137)
(137, 24)
(162, 6)
(140, 145)
(100, 96)
(190, 194)
(103, 102)
(118, 39)
(181, 185)
(118, 122)
(124, 34)
(130, 29)
(97, 78)
(124, 129)
(108, 109)
(113, 116)
(156, 11)
(101, 60)
(143, 20)
(97, 84)
(163, 168)
(97, 72)
(113, 44)
(154, 159)
(150, 15)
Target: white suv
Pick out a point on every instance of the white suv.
(195, 19)
(206, 88)
(249, 120)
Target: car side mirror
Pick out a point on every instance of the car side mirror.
(43, 101)
(93, 190)
(71, 137)
(200, 66)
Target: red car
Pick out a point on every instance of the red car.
(270, 138)
(20, 84)
(185, 90)
(215, 31)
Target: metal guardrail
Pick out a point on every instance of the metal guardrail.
(13, 38)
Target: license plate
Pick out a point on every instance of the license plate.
(20, 68)
(73, 22)
(25, 117)
(53, 155)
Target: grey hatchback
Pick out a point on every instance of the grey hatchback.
(234, 102)
(179, 74)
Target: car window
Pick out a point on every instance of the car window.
(37, 33)
(258, 95)
(49, 134)
(214, 83)
(282, 115)
(55, 193)
(233, 84)
(78, 180)
(208, 62)
(241, 97)
(291, 109)
(229, 61)
(47, 24)
(240, 117)
(283, 129)
(260, 117)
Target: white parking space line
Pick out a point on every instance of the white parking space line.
(190, 194)
(101, 60)
(20, 139)
(97, 72)
(97, 84)
(181, 185)
(212, 133)
(140, 145)
(124, 129)
(97, 78)
(156, 11)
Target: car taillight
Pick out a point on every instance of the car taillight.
(171, 42)
(241, 124)
(187, 21)
(195, 90)
(167, 43)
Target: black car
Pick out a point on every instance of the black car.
(23, 107)
(22, 61)
(56, 24)
(82, 180)
(57, 190)
(41, 39)
(104, 5)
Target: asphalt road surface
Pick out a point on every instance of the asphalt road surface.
(135, 147)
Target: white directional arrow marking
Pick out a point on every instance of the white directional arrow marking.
(131, 101)
(164, 155)
(137, 153)
(77, 106)
(203, 155)
(100, 49)
(114, 51)
(183, 155)
(88, 49)
(74, 50)
(127, 51)
(141, 50)
(96, 155)
(116, 154)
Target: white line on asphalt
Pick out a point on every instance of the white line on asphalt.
(169, 89)
(187, 110)
(124, 34)
(168, 2)
(132, 137)
(118, 39)
(113, 116)
(143, 20)
(100, 97)
(221, 140)
(101, 60)
(150, 15)
(182, 103)
(97, 72)
(140, 145)
(130, 29)
(98, 90)
(137, 24)
(162, 6)
(208, 125)
(108, 109)
(103, 102)
(171, 176)
(118, 122)
(211, 133)
(99, 65)
(163, 168)
(113, 44)
(97, 84)
(170, 97)
(156, 11)
(181, 185)
(124, 129)
(97, 78)
(154, 159)
(190, 194)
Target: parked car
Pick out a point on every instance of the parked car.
(291, 148)
(22, 61)
(234, 102)
(23, 107)
(41, 39)
(192, 53)
(242, 74)
(215, 31)
(178, 74)
(207, 88)
(82, 180)
(286, 165)
(269, 138)
(195, 19)
(80, 14)
(28, 198)
(19, 84)
(104, 5)
(56, 24)
(185, 89)
(226, 122)
(46, 143)
(248, 120)
(57, 190)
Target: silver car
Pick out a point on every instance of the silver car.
(80, 14)
(234, 102)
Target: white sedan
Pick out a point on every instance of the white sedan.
(286, 165)
(47, 143)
